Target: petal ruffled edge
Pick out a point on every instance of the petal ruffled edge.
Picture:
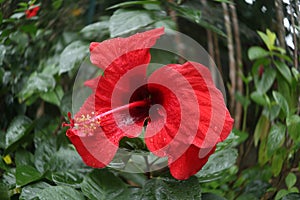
(104, 53)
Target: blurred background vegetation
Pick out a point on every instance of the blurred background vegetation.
(255, 45)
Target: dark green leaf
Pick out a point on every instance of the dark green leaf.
(217, 163)
(261, 129)
(260, 99)
(284, 70)
(293, 124)
(2, 54)
(103, 185)
(60, 193)
(26, 174)
(37, 83)
(72, 54)
(4, 194)
(281, 101)
(132, 3)
(69, 177)
(31, 192)
(290, 180)
(9, 178)
(276, 138)
(266, 81)
(291, 196)
(168, 188)
(257, 52)
(95, 30)
(281, 193)
(17, 129)
(278, 160)
(126, 21)
(54, 96)
(211, 196)
(23, 157)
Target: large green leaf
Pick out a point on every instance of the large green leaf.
(72, 54)
(53, 96)
(26, 174)
(276, 138)
(260, 99)
(95, 30)
(126, 21)
(31, 192)
(4, 194)
(69, 177)
(60, 193)
(103, 185)
(217, 163)
(18, 129)
(261, 129)
(37, 83)
(282, 102)
(257, 52)
(291, 196)
(266, 81)
(284, 70)
(168, 188)
(293, 124)
(290, 180)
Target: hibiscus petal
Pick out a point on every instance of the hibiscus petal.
(104, 53)
(95, 150)
(189, 163)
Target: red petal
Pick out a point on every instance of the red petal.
(95, 150)
(104, 53)
(189, 163)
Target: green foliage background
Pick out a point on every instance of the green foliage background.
(39, 59)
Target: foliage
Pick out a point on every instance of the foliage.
(39, 60)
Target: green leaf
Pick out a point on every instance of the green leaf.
(261, 129)
(290, 180)
(103, 185)
(4, 193)
(126, 21)
(72, 54)
(211, 196)
(2, 54)
(95, 30)
(291, 196)
(69, 177)
(269, 38)
(280, 194)
(60, 193)
(23, 157)
(31, 192)
(26, 174)
(276, 138)
(217, 163)
(168, 188)
(257, 52)
(281, 101)
(293, 124)
(132, 3)
(260, 99)
(18, 128)
(36, 83)
(54, 96)
(278, 160)
(284, 71)
(266, 81)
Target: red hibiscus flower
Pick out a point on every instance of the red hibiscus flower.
(32, 11)
(185, 113)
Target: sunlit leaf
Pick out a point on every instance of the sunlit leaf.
(72, 54)
(103, 185)
(257, 52)
(126, 21)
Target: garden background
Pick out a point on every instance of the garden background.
(255, 45)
